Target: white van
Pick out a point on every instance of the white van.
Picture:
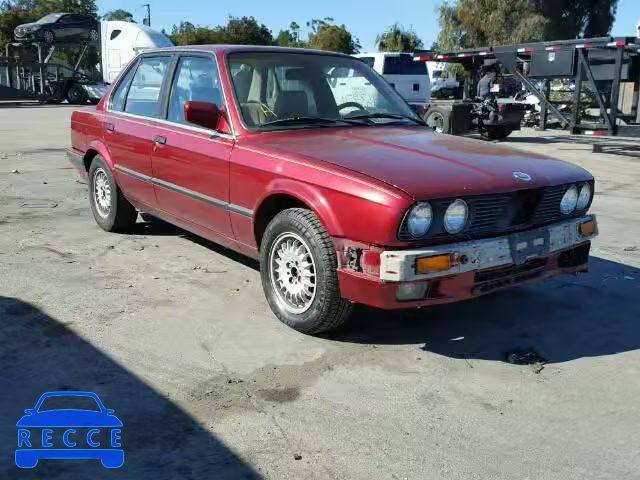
(122, 41)
(409, 78)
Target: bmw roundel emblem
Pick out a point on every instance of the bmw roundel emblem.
(525, 177)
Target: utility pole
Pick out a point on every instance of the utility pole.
(147, 20)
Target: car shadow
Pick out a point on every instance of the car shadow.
(155, 227)
(562, 319)
(39, 354)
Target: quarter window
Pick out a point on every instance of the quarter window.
(118, 97)
(197, 80)
(144, 93)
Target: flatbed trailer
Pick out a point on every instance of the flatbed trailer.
(609, 65)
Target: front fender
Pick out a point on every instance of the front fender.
(310, 195)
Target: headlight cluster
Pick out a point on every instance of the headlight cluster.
(574, 199)
(420, 217)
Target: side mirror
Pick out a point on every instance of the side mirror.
(203, 114)
(29, 411)
(109, 411)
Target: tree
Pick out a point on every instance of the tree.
(574, 18)
(188, 34)
(335, 38)
(239, 31)
(452, 35)
(290, 37)
(475, 23)
(397, 39)
(246, 31)
(119, 14)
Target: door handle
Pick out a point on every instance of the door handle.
(160, 140)
(110, 127)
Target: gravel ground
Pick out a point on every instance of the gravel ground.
(173, 332)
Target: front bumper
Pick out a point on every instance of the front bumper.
(482, 266)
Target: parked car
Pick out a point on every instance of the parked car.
(343, 202)
(60, 27)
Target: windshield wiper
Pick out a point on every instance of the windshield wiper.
(303, 120)
(396, 116)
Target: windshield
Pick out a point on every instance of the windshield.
(52, 17)
(66, 402)
(279, 90)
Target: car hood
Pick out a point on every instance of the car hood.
(422, 163)
(69, 418)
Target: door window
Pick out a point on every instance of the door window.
(196, 80)
(144, 94)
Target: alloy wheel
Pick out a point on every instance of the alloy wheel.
(292, 272)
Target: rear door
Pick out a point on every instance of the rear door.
(191, 163)
(130, 129)
(409, 78)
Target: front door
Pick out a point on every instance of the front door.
(191, 163)
(130, 130)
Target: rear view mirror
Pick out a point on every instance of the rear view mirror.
(203, 114)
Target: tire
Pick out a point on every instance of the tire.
(76, 95)
(496, 133)
(49, 37)
(320, 308)
(114, 213)
(439, 119)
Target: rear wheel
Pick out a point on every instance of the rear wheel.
(298, 266)
(110, 209)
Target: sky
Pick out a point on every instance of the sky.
(365, 19)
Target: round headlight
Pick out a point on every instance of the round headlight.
(419, 220)
(584, 197)
(569, 200)
(455, 217)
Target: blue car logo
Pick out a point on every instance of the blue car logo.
(69, 425)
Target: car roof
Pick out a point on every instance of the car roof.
(242, 48)
(69, 393)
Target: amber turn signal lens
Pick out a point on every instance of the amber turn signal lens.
(433, 264)
(588, 229)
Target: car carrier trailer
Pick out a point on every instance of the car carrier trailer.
(28, 70)
(609, 65)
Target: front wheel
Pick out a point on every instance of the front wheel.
(298, 267)
(111, 210)
(49, 37)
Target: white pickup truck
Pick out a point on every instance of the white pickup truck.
(409, 78)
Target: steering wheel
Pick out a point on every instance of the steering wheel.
(357, 105)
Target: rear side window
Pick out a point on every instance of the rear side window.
(117, 99)
(144, 94)
(196, 80)
(403, 65)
